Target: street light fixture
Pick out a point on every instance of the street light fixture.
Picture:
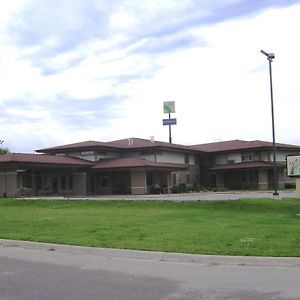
(270, 57)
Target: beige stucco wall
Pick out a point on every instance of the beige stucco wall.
(221, 159)
(174, 158)
(8, 183)
(95, 156)
(79, 183)
(298, 188)
(263, 156)
(236, 157)
(262, 180)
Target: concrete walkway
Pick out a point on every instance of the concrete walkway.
(202, 196)
(155, 255)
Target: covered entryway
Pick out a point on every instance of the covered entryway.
(133, 176)
(41, 175)
(244, 176)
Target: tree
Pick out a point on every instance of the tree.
(4, 150)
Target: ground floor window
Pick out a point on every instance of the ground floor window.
(27, 180)
(188, 178)
(63, 182)
(71, 182)
(174, 179)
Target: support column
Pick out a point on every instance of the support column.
(298, 188)
(263, 180)
(8, 183)
(138, 182)
(79, 184)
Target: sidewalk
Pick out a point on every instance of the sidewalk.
(156, 256)
(202, 196)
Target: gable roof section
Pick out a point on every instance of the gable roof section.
(81, 146)
(132, 144)
(118, 145)
(137, 143)
(42, 159)
(129, 163)
(242, 145)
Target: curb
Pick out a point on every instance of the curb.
(156, 256)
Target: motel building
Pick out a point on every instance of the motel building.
(141, 166)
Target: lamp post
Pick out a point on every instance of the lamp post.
(270, 57)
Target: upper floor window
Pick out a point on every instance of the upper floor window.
(212, 160)
(100, 153)
(146, 152)
(247, 157)
(186, 159)
(87, 153)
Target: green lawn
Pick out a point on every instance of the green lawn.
(260, 227)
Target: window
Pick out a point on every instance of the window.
(103, 180)
(71, 182)
(186, 159)
(63, 182)
(40, 182)
(246, 157)
(188, 178)
(87, 153)
(244, 177)
(174, 178)
(212, 160)
(100, 153)
(146, 152)
(27, 182)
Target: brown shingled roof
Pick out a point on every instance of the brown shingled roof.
(137, 143)
(129, 143)
(241, 145)
(74, 146)
(42, 159)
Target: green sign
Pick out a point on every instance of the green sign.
(169, 107)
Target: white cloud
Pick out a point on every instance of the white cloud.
(216, 75)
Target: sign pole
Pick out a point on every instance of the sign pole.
(170, 134)
(169, 107)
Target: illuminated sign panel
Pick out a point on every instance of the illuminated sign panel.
(169, 107)
(293, 165)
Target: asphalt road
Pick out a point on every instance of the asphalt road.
(58, 272)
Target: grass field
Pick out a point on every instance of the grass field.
(260, 227)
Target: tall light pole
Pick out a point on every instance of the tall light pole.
(270, 57)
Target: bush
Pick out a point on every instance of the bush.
(174, 189)
(196, 187)
(182, 188)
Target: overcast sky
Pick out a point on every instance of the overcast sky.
(76, 70)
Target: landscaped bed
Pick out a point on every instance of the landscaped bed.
(260, 227)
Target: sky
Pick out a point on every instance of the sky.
(78, 70)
